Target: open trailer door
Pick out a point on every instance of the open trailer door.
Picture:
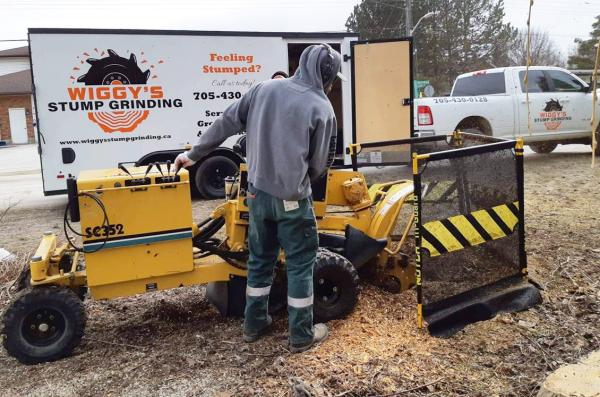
(382, 99)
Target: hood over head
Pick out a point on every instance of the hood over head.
(315, 61)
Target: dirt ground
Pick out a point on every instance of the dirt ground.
(175, 343)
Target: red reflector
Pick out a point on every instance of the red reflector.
(60, 176)
(424, 116)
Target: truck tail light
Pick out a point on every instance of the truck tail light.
(424, 116)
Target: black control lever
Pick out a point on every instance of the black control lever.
(168, 167)
(148, 169)
(157, 165)
(122, 168)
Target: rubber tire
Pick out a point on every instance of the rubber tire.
(473, 130)
(203, 183)
(543, 147)
(62, 300)
(337, 270)
(278, 294)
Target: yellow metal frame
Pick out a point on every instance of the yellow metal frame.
(44, 265)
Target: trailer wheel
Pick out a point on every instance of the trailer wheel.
(43, 324)
(210, 176)
(335, 286)
(543, 147)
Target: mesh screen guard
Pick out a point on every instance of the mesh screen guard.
(467, 241)
(470, 251)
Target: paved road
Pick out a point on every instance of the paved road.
(21, 179)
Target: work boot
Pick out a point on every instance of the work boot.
(320, 333)
(253, 337)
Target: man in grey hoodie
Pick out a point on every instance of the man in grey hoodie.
(289, 125)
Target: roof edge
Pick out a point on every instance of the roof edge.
(307, 35)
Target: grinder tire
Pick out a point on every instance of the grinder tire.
(335, 286)
(23, 281)
(43, 324)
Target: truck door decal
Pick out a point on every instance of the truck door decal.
(552, 115)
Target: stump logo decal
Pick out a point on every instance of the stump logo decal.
(114, 92)
(552, 115)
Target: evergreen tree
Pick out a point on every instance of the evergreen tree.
(586, 50)
(465, 35)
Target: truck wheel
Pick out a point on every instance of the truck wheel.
(597, 152)
(473, 130)
(543, 147)
(335, 286)
(210, 176)
(43, 324)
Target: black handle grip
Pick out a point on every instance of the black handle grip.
(168, 167)
(157, 165)
(148, 169)
(122, 167)
(72, 195)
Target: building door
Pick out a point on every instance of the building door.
(18, 125)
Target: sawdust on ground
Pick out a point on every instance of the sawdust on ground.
(175, 343)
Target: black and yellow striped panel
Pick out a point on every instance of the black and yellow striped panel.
(458, 232)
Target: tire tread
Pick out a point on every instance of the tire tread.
(28, 297)
(332, 259)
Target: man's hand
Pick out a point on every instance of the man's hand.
(182, 161)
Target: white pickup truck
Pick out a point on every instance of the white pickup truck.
(493, 102)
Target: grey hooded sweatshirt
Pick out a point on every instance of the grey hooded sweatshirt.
(289, 125)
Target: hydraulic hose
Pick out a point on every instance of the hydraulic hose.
(211, 228)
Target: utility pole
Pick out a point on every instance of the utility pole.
(408, 12)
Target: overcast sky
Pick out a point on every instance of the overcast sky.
(563, 20)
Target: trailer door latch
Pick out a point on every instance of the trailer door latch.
(406, 102)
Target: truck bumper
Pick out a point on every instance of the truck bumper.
(424, 133)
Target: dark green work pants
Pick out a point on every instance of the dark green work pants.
(271, 228)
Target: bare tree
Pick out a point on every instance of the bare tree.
(4, 211)
(544, 51)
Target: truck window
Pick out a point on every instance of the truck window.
(480, 84)
(537, 81)
(564, 82)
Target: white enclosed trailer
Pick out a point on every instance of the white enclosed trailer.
(109, 96)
